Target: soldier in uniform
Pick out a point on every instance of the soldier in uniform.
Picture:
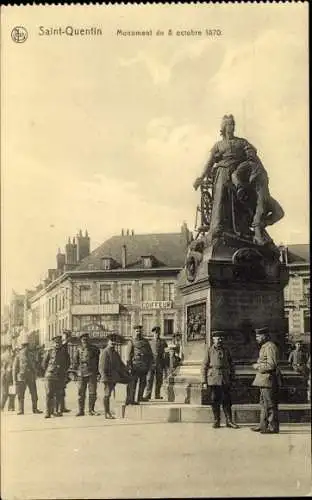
(7, 359)
(156, 372)
(139, 361)
(218, 374)
(267, 379)
(65, 339)
(298, 359)
(86, 362)
(112, 371)
(24, 375)
(55, 365)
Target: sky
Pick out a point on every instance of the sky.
(109, 132)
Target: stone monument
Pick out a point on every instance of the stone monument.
(233, 279)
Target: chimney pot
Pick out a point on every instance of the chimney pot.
(123, 256)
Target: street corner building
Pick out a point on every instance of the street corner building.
(129, 279)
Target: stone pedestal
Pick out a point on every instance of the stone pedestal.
(240, 286)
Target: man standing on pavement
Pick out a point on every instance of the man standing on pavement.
(86, 362)
(24, 375)
(7, 358)
(65, 339)
(218, 375)
(139, 361)
(267, 379)
(112, 371)
(55, 365)
(298, 359)
(156, 372)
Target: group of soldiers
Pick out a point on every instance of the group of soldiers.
(218, 375)
(146, 364)
(143, 372)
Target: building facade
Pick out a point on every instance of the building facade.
(129, 279)
(297, 292)
(132, 279)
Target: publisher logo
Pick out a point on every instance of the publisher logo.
(19, 34)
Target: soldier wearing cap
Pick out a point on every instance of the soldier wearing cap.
(55, 365)
(298, 358)
(158, 346)
(7, 359)
(267, 379)
(24, 375)
(139, 361)
(218, 374)
(86, 362)
(112, 371)
(65, 339)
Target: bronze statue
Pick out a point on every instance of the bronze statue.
(241, 203)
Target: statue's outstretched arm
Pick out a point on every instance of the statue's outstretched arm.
(206, 171)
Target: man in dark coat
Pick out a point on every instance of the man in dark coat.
(65, 339)
(86, 362)
(139, 362)
(24, 375)
(156, 373)
(112, 371)
(7, 359)
(267, 379)
(55, 365)
(218, 375)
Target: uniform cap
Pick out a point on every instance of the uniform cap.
(83, 334)
(156, 329)
(217, 333)
(138, 327)
(112, 336)
(57, 337)
(262, 331)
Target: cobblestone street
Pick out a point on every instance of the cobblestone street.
(90, 457)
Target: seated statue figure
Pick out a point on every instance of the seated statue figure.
(234, 163)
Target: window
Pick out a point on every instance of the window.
(306, 287)
(56, 303)
(106, 263)
(63, 301)
(168, 326)
(147, 262)
(148, 324)
(125, 325)
(105, 294)
(126, 293)
(168, 291)
(85, 294)
(147, 292)
(306, 321)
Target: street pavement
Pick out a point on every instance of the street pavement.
(90, 457)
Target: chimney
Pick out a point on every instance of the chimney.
(127, 232)
(74, 247)
(124, 256)
(122, 232)
(68, 252)
(83, 246)
(60, 260)
(132, 232)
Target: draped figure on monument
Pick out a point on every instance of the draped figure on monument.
(240, 202)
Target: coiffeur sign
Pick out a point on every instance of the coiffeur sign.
(157, 304)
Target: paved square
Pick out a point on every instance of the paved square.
(90, 457)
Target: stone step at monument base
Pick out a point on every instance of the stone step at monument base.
(242, 413)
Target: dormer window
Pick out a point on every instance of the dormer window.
(147, 261)
(106, 263)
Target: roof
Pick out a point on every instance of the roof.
(169, 250)
(298, 253)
